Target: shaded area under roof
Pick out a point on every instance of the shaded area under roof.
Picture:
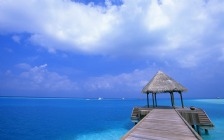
(162, 83)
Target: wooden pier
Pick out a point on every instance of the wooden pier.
(162, 124)
(166, 123)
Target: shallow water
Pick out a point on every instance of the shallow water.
(81, 119)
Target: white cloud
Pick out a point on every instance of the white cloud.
(75, 25)
(38, 78)
(156, 17)
(133, 81)
(166, 30)
(24, 66)
(16, 38)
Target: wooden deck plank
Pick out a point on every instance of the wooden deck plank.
(159, 136)
(166, 128)
(165, 132)
(161, 124)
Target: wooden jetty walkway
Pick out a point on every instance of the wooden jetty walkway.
(166, 123)
(162, 124)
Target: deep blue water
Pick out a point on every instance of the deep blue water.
(71, 119)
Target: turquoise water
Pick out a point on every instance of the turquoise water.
(82, 119)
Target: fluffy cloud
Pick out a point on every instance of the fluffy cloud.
(40, 80)
(75, 26)
(185, 32)
(23, 66)
(37, 78)
(133, 81)
(16, 38)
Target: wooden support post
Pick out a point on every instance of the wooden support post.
(153, 100)
(198, 130)
(206, 131)
(171, 98)
(148, 99)
(181, 99)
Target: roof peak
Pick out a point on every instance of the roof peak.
(160, 71)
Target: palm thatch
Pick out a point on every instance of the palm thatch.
(161, 83)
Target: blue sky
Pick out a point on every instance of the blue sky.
(110, 49)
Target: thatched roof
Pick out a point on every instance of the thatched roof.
(163, 83)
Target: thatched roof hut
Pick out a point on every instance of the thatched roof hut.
(162, 83)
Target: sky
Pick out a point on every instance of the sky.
(110, 48)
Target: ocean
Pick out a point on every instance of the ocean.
(85, 119)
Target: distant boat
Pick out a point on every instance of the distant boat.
(218, 98)
(100, 98)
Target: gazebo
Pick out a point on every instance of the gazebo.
(162, 83)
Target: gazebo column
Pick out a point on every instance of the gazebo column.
(182, 103)
(171, 98)
(148, 99)
(153, 100)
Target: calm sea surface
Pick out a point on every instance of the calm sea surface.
(84, 119)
